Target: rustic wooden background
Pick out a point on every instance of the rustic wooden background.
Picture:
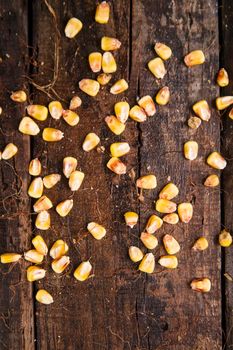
(119, 308)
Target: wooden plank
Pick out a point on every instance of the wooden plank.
(16, 303)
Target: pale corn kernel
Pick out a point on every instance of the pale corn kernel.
(40, 245)
(60, 264)
(194, 122)
(36, 188)
(171, 245)
(83, 271)
(64, 207)
(18, 96)
(58, 249)
(33, 256)
(116, 166)
(27, 126)
(43, 220)
(163, 51)
(102, 12)
(216, 161)
(201, 285)
(42, 204)
(35, 273)
(115, 125)
(185, 212)
(224, 102)
(89, 86)
(70, 117)
(9, 151)
(75, 180)
(52, 135)
(69, 165)
(73, 27)
(104, 79)
(97, 231)
(75, 102)
(119, 149)
(110, 44)
(154, 223)
(191, 150)
(51, 180)
(119, 87)
(131, 218)
(122, 111)
(95, 61)
(222, 78)
(37, 112)
(172, 218)
(147, 182)
(7, 258)
(147, 103)
(135, 254)
(55, 109)
(0, 110)
(156, 66)
(147, 264)
(34, 167)
(90, 142)
(165, 206)
(202, 110)
(225, 239)
(169, 192)
(138, 114)
(163, 96)
(212, 181)
(108, 63)
(200, 244)
(168, 261)
(43, 297)
(149, 241)
(194, 58)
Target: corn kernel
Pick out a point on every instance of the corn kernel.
(147, 104)
(35, 273)
(119, 149)
(19, 96)
(156, 66)
(194, 122)
(122, 111)
(55, 109)
(64, 207)
(51, 180)
(147, 264)
(34, 167)
(149, 241)
(191, 150)
(0, 110)
(153, 224)
(108, 63)
(216, 161)
(73, 27)
(69, 165)
(135, 254)
(9, 151)
(222, 78)
(117, 166)
(0, 155)
(8, 258)
(202, 110)
(225, 239)
(60, 264)
(185, 212)
(212, 181)
(110, 44)
(43, 203)
(33, 256)
(43, 220)
(70, 117)
(75, 180)
(200, 244)
(131, 218)
(163, 51)
(138, 114)
(102, 12)
(163, 96)
(168, 261)
(36, 187)
(165, 206)
(37, 112)
(230, 115)
(43, 297)
(75, 102)
(115, 125)
(90, 142)
(89, 86)
(27, 126)
(201, 285)
(171, 245)
(58, 249)
(194, 58)
(147, 182)
(95, 61)
(172, 219)
(83, 271)
(224, 102)
(97, 231)
(52, 135)
(169, 192)
(119, 87)
(40, 245)
(104, 79)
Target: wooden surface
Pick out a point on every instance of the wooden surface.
(119, 308)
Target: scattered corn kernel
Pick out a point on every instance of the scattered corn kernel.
(75, 102)
(64, 207)
(35, 273)
(89, 86)
(149, 241)
(147, 104)
(194, 122)
(0, 110)
(115, 125)
(138, 114)
(224, 102)
(169, 192)
(194, 58)
(83, 271)
(135, 254)
(52, 135)
(225, 239)
(19, 96)
(147, 182)
(55, 109)
(202, 110)
(69, 165)
(147, 264)
(119, 87)
(75, 180)
(73, 27)
(51, 180)
(212, 181)
(58, 249)
(171, 245)
(102, 12)
(27, 126)
(97, 231)
(222, 78)
(8, 258)
(33, 256)
(131, 218)
(191, 150)
(43, 220)
(60, 264)
(34, 167)
(216, 161)
(36, 188)
(116, 165)
(168, 261)
(119, 149)
(172, 219)
(165, 206)
(122, 111)
(201, 285)
(163, 51)
(110, 44)
(43, 297)
(185, 212)
(95, 61)
(37, 112)
(70, 117)
(40, 245)
(231, 114)
(9, 151)
(156, 66)
(200, 244)
(90, 142)
(43, 203)
(163, 96)
(104, 79)
(153, 224)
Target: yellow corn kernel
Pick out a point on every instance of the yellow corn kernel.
(51, 180)
(119, 87)
(89, 86)
(36, 187)
(165, 206)
(156, 66)
(9, 151)
(149, 241)
(147, 264)
(216, 161)
(0, 155)
(70, 117)
(116, 166)
(147, 104)
(52, 135)
(60, 264)
(224, 102)
(200, 244)
(27, 126)
(194, 122)
(201, 285)
(108, 63)
(8, 258)
(172, 219)
(122, 111)
(194, 58)
(90, 142)
(37, 112)
(163, 96)
(225, 239)
(191, 150)
(58, 249)
(102, 12)
(35, 273)
(131, 218)
(33, 256)
(222, 78)
(43, 297)
(135, 254)
(95, 61)
(171, 245)
(163, 51)
(75, 102)
(202, 110)
(119, 149)
(19, 96)
(212, 181)
(43, 203)
(55, 109)
(169, 192)
(185, 212)
(43, 220)
(153, 224)
(64, 207)
(168, 261)
(34, 167)
(147, 182)
(138, 114)
(69, 165)
(83, 271)
(230, 115)
(40, 245)
(75, 180)
(73, 27)
(110, 44)
(115, 125)
(97, 231)
(104, 78)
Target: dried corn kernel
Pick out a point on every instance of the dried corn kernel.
(138, 114)
(27, 126)
(147, 264)
(19, 96)
(43, 220)
(75, 102)
(9, 151)
(43, 297)
(230, 115)
(104, 79)
(117, 166)
(69, 165)
(200, 244)
(194, 58)
(156, 66)
(83, 271)
(224, 102)
(135, 254)
(194, 122)
(90, 142)
(163, 51)
(70, 117)
(58, 249)
(201, 285)
(163, 96)
(60, 264)
(0, 110)
(64, 207)
(171, 245)
(202, 110)
(169, 192)
(191, 150)
(95, 61)
(153, 224)
(35, 273)
(147, 182)
(222, 78)
(110, 44)
(168, 261)
(8, 258)
(34, 167)
(115, 125)
(52, 135)
(119, 87)
(172, 218)
(43, 203)
(165, 206)
(40, 245)
(149, 241)
(55, 109)
(51, 180)
(75, 180)
(108, 63)
(36, 188)
(185, 212)
(102, 12)
(131, 218)
(119, 149)
(37, 112)
(97, 231)
(225, 239)
(216, 161)
(147, 103)
(33, 256)
(73, 27)
(122, 111)
(212, 181)
(89, 86)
